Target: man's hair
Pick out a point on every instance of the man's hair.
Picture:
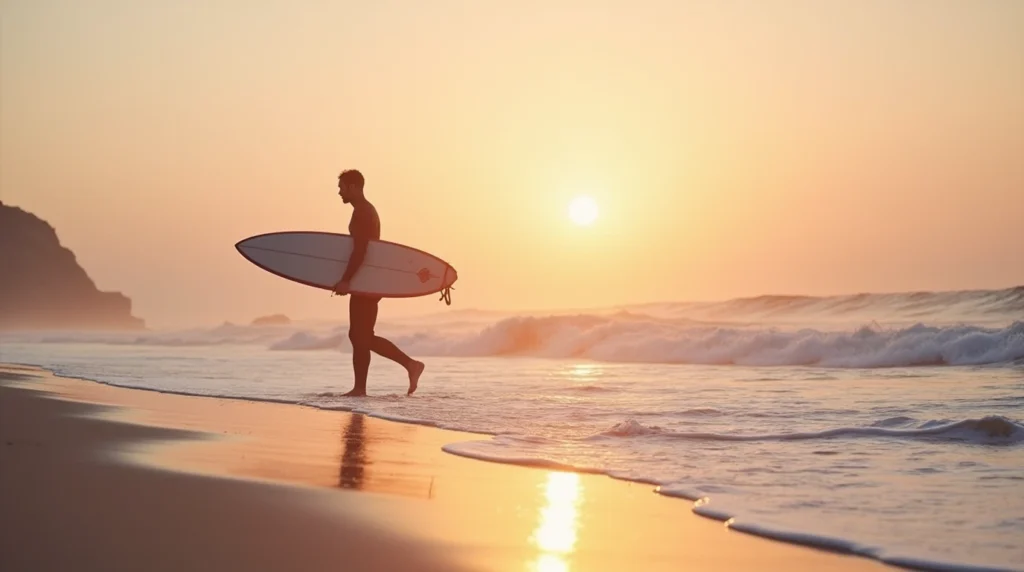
(352, 177)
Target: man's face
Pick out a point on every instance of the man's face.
(346, 192)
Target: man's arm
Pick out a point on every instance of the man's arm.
(358, 255)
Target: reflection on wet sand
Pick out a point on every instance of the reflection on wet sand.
(556, 530)
(353, 454)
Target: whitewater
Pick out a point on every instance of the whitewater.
(886, 425)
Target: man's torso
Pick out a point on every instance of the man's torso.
(364, 222)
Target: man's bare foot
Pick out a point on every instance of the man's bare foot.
(415, 371)
(355, 393)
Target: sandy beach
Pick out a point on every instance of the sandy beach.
(94, 477)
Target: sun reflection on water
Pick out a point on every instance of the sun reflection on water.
(585, 372)
(555, 534)
(551, 563)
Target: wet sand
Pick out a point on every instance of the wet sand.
(94, 477)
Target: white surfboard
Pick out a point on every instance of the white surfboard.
(318, 259)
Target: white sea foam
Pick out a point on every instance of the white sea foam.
(992, 429)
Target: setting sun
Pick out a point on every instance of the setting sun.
(583, 210)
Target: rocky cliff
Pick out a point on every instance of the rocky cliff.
(42, 286)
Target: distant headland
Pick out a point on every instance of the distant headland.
(42, 286)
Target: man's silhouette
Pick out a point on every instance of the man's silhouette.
(362, 309)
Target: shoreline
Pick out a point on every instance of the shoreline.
(387, 475)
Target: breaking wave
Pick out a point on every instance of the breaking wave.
(654, 341)
(946, 328)
(646, 340)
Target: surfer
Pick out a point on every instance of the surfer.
(364, 226)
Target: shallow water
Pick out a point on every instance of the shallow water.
(900, 441)
(900, 463)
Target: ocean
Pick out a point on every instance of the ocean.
(888, 425)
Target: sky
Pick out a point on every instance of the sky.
(734, 148)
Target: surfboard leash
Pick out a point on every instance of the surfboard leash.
(446, 295)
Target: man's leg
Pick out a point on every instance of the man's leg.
(386, 348)
(389, 350)
(362, 314)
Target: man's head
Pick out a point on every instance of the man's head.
(350, 185)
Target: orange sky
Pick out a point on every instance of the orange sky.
(734, 148)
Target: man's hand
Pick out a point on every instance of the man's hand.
(342, 288)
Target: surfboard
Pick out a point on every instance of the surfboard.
(318, 259)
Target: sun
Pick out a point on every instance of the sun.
(583, 210)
